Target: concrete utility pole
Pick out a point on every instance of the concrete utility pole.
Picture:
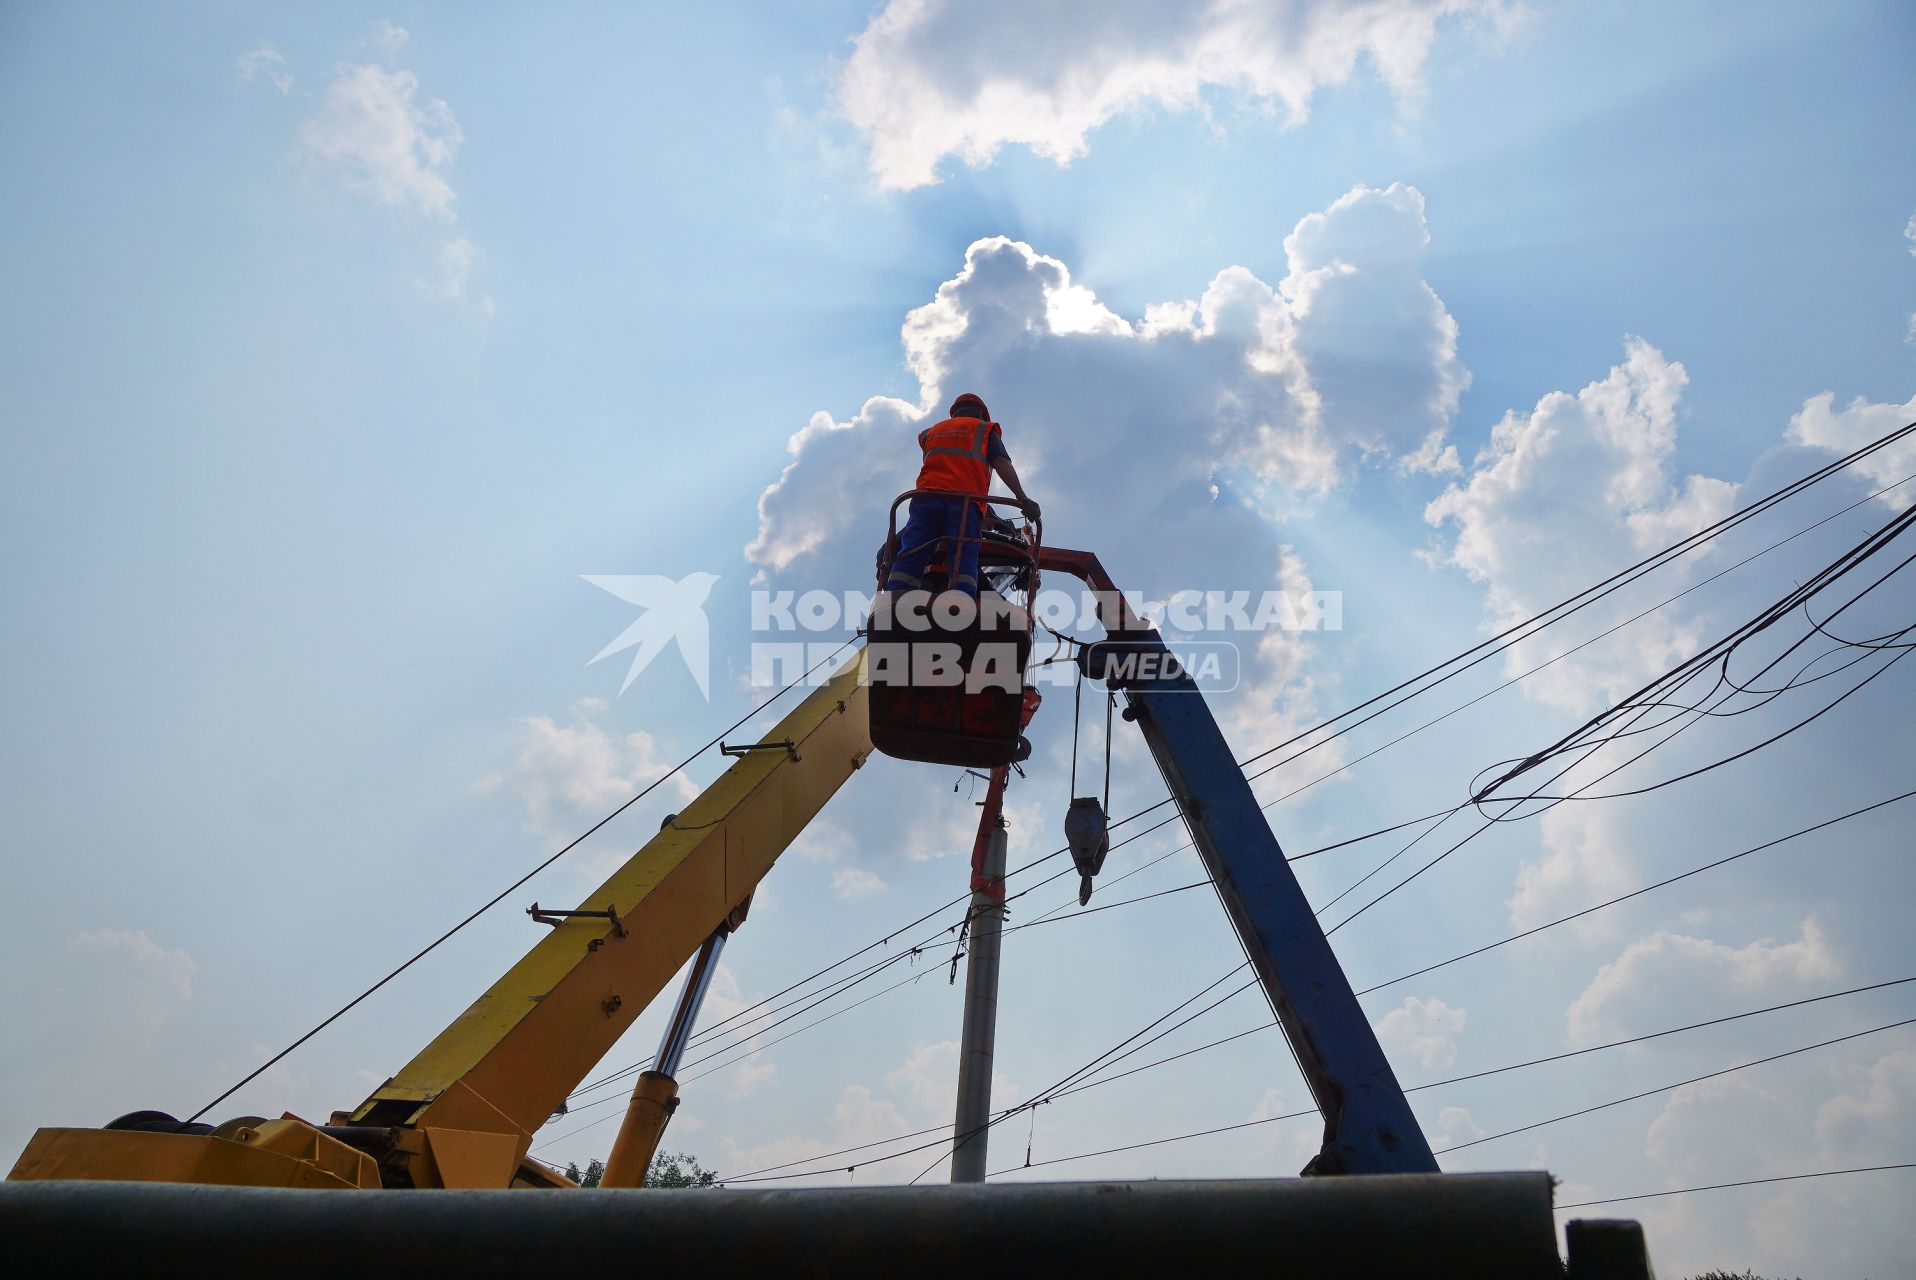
(972, 1126)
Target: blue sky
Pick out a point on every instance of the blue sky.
(339, 343)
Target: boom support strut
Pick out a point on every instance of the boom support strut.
(1368, 1125)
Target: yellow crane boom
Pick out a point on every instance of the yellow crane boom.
(463, 1112)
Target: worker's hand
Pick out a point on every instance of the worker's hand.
(1032, 509)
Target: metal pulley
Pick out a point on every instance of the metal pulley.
(1087, 832)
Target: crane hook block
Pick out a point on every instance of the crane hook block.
(1087, 832)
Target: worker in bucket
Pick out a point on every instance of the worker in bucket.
(960, 455)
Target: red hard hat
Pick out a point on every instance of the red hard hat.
(970, 398)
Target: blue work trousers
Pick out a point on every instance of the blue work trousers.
(933, 529)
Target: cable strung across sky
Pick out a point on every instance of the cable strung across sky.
(747, 1029)
(1622, 719)
(1746, 1182)
(806, 1004)
(1078, 1076)
(1828, 575)
(1416, 686)
(1083, 1084)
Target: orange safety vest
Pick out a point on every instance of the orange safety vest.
(957, 456)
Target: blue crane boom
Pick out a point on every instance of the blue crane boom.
(1368, 1124)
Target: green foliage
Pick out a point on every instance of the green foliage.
(677, 1169)
(669, 1169)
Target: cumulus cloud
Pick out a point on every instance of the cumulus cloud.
(151, 982)
(1667, 976)
(929, 79)
(1274, 1103)
(1269, 385)
(1875, 1122)
(822, 840)
(1585, 861)
(1426, 1030)
(1278, 685)
(1356, 288)
(1688, 1134)
(749, 1076)
(927, 1078)
(1820, 425)
(919, 1091)
(387, 39)
(1169, 442)
(266, 63)
(374, 133)
(569, 775)
(1456, 1124)
(1848, 1107)
(725, 999)
(853, 883)
(1566, 495)
(457, 257)
(89, 1036)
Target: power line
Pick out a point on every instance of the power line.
(1444, 814)
(1157, 1142)
(1634, 571)
(1649, 1093)
(837, 1013)
(799, 1008)
(1625, 897)
(1746, 1182)
(1091, 1081)
(1572, 604)
(818, 1022)
(1600, 589)
(1685, 875)
(732, 1018)
(1533, 1062)
(1635, 708)
(811, 1002)
(765, 1175)
(1453, 848)
(1844, 563)
(1612, 583)
(1656, 1035)
(1266, 1026)
(1637, 713)
(1720, 651)
(1433, 1084)
(1097, 1063)
(499, 897)
(1110, 906)
(1608, 631)
(1036, 1100)
(1250, 1124)
(847, 985)
(844, 1151)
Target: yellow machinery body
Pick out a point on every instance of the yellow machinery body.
(463, 1112)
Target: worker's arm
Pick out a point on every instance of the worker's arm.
(1009, 474)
